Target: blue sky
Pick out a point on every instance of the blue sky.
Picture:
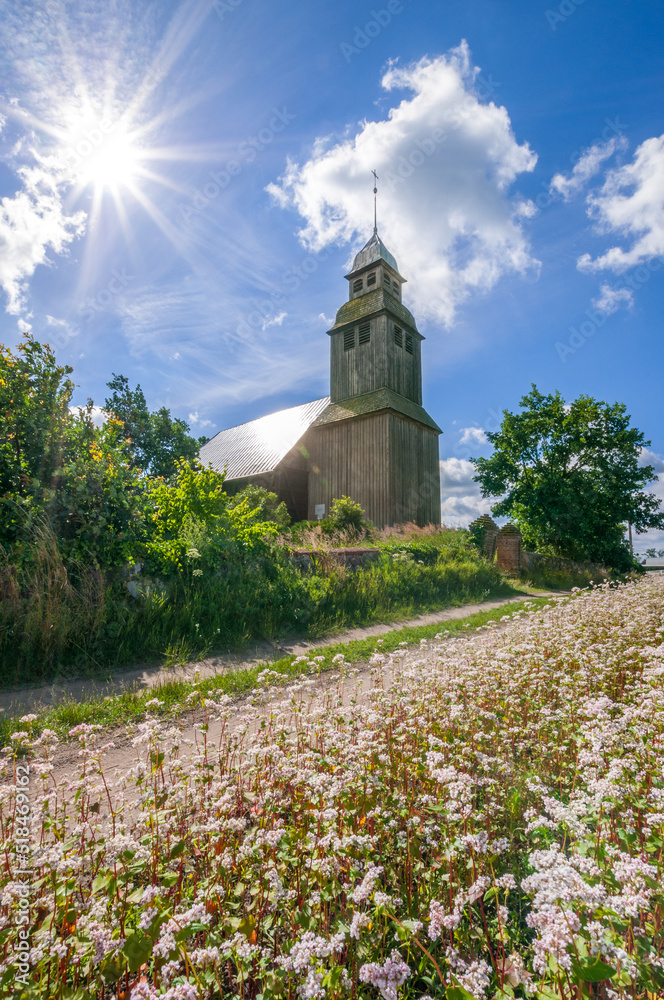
(183, 186)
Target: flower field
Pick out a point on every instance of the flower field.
(486, 821)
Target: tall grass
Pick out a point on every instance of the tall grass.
(60, 621)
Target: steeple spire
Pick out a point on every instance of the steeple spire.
(375, 177)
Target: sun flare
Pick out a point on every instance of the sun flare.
(108, 159)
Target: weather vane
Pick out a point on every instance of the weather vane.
(375, 177)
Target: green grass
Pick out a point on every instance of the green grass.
(129, 706)
(555, 579)
(55, 623)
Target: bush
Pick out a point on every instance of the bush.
(348, 517)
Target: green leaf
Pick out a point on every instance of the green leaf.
(594, 971)
(137, 949)
(458, 993)
(111, 969)
(177, 850)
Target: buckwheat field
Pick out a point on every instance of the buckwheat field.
(474, 817)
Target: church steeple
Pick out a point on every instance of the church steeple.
(375, 341)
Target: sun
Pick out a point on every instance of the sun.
(106, 159)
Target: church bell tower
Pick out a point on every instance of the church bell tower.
(375, 343)
(375, 442)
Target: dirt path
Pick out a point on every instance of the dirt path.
(247, 711)
(30, 699)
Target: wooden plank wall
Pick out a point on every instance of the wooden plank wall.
(290, 481)
(414, 472)
(350, 458)
(376, 365)
(385, 462)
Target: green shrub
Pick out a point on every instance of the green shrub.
(346, 516)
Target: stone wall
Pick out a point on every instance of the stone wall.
(312, 559)
(508, 550)
(503, 544)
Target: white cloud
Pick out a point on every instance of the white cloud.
(195, 419)
(457, 470)
(459, 512)
(32, 222)
(653, 536)
(218, 367)
(461, 498)
(441, 154)
(99, 416)
(648, 457)
(631, 202)
(273, 320)
(585, 168)
(611, 299)
(473, 436)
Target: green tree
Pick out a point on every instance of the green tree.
(265, 505)
(569, 476)
(129, 406)
(58, 472)
(35, 393)
(157, 440)
(193, 523)
(96, 500)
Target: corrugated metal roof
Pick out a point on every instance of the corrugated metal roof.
(258, 446)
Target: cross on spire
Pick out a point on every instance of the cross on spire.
(375, 191)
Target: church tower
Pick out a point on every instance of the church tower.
(375, 442)
(370, 439)
(375, 343)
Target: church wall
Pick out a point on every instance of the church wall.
(350, 458)
(386, 463)
(414, 472)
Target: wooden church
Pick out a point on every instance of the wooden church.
(370, 439)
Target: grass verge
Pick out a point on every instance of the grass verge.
(130, 706)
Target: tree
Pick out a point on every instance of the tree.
(569, 476)
(35, 393)
(264, 504)
(346, 515)
(129, 406)
(157, 440)
(57, 470)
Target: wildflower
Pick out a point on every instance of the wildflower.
(386, 977)
(359, 921)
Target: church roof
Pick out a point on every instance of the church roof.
(258, 446)
(373, 251)
(372, 302)
(373, 402)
